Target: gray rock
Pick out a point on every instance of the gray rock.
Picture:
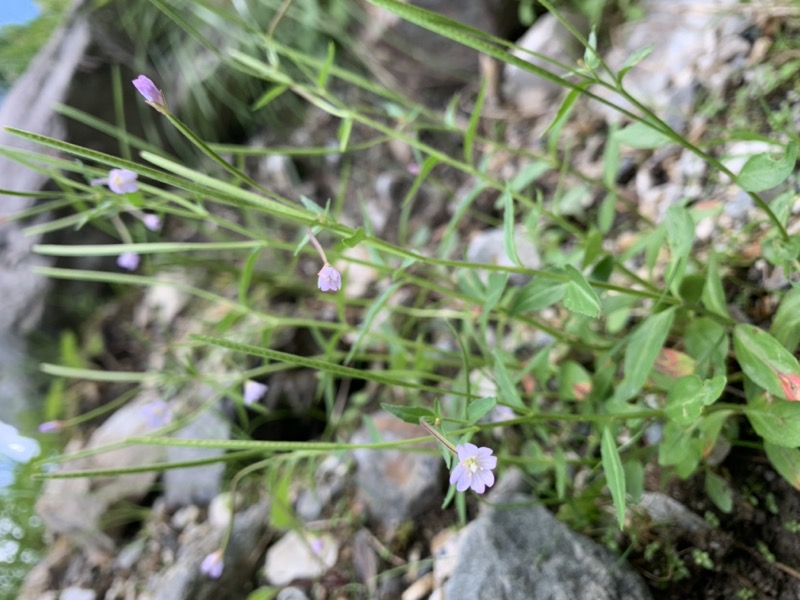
(488, 247)
(396, 485)
(29, 106)
(696, 42)
(76, 593)
(74, 507)
(184, 581)
(524, 553)
(299, 556)
(292, 593)
(665, 510)
(197, 485)
(528, 93)
(329, 481)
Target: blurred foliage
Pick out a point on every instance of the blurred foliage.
(20, 43)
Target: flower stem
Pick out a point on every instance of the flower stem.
(317, 245)
(438, 435)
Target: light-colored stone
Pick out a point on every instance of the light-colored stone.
(396, 485)
(532, 95)
(300, 556)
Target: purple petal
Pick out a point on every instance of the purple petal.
(213, 565)
(148, 89)
(253, 392)
(330, 280)
(157, 413)
(128, 260)
(457, 473)
(152, 222)
(122, 181)
(51, 426)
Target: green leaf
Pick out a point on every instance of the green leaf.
(615, 474)
(281, 515)
(247, 275)
(495, 286)
(707, 342)
(580, 297)
(634, 478)
(574, 382)
(509, 392)
(762, 172)
(375, 308)
(680, 238)
(354, 240)
(762, 357)
(719, 491)
(634, 59)
(563, 112)
(640, 135)
(778, 422)
(560, 470)
(409, 414)
(508, 226)
(537, 295)
(322, 78)
(590, 56)
(479, 409)
(713, 293)
(345, 129)
(679, 449)
(474, 121)
(786, 462)
(786, 323)
(689, 395)
(641, 353)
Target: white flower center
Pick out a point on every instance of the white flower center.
(471, 465)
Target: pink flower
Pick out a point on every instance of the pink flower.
(151, 93)
(51, 426)
(119, 181)
(212, 565)
(253, 392)
(474, 468)
(128, 261)
(330, 280)
(152, 222)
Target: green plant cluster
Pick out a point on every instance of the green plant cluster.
(626, 353)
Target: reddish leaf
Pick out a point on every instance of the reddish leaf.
(674, 363)
(791, 385)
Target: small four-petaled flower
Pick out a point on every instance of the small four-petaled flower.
(330, 280)
(119, 181)
(128, 261)
(157, 413)
(152, 222)
(152, 95)
(212, 565)
(253, 392)
(474, 468)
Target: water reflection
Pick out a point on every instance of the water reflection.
(20, 528)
